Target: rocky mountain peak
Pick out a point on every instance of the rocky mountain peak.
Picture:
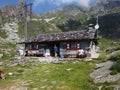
(14, 12)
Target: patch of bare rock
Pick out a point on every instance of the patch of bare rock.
(102, 74)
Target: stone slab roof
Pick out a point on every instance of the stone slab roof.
(72, 35)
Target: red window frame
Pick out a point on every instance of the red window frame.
(75, 47)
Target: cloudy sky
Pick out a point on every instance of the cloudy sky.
(40, 6)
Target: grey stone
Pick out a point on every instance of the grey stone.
(17, 88)
(50, 87)
(10, 73)
(1, 63)
(43, 86)
(117, 87)
(35, 88)
(53, 82)
(1, 55)
(88, 59)
(12, 65)
(16, 73)
(47, 71)
(69, 69)
(45, 80)
(102, 74)
(100, 87)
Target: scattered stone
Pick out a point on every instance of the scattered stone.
(100, 87)
(25, 84)
(75, 62)
(117, 87)
(45, 80)
(53, 82)
(43, 86)
(17, 88)
(64, 87)
(10, 73)
(21, 63)
(35, 88)
(16, 73)
(17, 58)
(69, 69)
(47, 71)
(50, 87)
(1, 55)
(88, 59)
(12, 65)
(48, 60)
(1, 63)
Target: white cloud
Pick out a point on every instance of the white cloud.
(61, 2)
(37, 2)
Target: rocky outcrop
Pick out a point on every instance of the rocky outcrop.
(14, 12)
(102, 74)
(11, 29)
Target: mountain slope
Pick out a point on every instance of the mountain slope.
(103, 5)
(68, 18)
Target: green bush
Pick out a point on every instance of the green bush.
(116, 67)
(113, 72)
(115, 57)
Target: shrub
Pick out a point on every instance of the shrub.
(115, 57)
(116, 67)
(113, 72)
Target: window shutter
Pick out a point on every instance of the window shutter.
(78, 46)
(68, 46)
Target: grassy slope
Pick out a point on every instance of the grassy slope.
(75, 79)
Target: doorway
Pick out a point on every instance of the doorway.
(52, 50)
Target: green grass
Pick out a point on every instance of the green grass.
(105, 43)
(43, 75)
(21, 29)
(12, 52)
(3, 33)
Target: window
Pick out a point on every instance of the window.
(73, 46)
(33, 47)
